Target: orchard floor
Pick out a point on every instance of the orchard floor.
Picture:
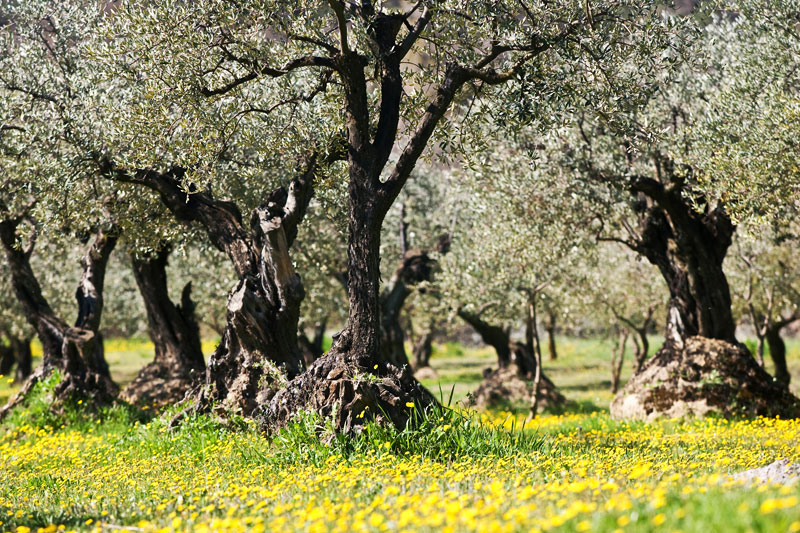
(577, 471)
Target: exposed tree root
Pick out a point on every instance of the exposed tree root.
(506, 387)
(349, 393)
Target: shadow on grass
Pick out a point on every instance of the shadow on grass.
(603, 384)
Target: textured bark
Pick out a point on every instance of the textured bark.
(688, 247)
(178, 364)
(777, 351)
(73, 351)
(259, 349)
(89, 296)
(704, 376)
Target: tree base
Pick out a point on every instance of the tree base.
(705, 376)
(350, 394)
(95, 390)
(155, 384)
(426, 372)
(506, 387)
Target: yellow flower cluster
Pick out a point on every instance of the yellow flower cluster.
(592, 473)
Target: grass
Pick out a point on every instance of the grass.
(121, 468)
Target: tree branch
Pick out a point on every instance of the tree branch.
(272, 72)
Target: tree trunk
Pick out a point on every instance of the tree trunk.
(533, 341)
(89, 296)
(6, 360)
(178, 364)
(494, 336)
(423, 348)
(618, 359)
(361, 337)
(415, 267)
(777, 351)
(510, 383)
(312, 348)
(70, 350)
(21, 348)
(259, 349)
(550, 328)
(689, 248)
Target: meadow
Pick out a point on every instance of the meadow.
(125, 469)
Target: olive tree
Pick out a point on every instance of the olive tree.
(272, 79)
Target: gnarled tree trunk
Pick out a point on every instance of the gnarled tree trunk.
(89, 296)
(258, 351)
(178, 364)
(512, 383)
(689, 248)
(73, 351)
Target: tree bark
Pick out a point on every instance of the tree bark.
(259, 348)
(89, 297)
(689, 248)
(777, 351)
(73, 351)
(535, 344)
(178, 364)
(550, 328)
(16, 354)
(21, 352)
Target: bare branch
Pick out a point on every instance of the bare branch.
(272, 72)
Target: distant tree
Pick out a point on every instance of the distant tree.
(766, 287)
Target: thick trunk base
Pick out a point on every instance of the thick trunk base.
(257, 355)
(507, 387)
(350, 394)
(92, 389)
(704, 376)
(161, 384)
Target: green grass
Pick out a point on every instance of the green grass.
(580, 470)
(582, 370)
